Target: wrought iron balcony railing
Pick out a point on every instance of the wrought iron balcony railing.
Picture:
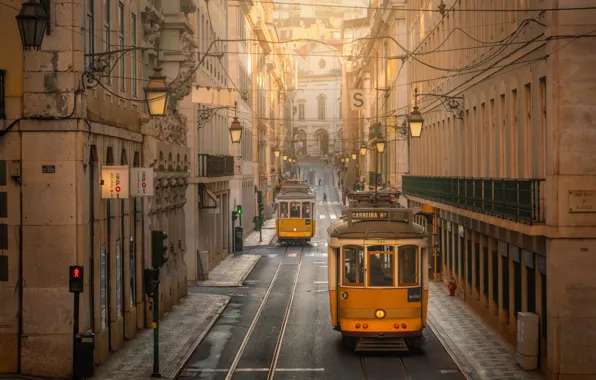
(215, 166)
(520, 200)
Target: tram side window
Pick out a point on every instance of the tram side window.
(408, 265)
(306, 210)
(294, 209)
(353, 266)
(283, 209)
(380, 264)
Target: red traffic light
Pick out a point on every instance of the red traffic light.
(76, 272)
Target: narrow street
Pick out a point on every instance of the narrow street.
(277, 326)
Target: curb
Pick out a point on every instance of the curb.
(450, 351)
(198, 341)
(241, 283)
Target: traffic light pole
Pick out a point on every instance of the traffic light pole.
(156, 327)
(75, 330)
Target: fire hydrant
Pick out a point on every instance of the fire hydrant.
(452, 287)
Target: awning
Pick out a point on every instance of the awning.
(206, 198)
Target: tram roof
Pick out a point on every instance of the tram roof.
(298, 195)
(377, 223)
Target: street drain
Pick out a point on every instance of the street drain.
(448, 371)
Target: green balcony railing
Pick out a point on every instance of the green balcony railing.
(520, 200)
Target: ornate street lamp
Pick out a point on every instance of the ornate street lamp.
(415, 120)
(381, 146)
(235, 131)
(285, 157)
(343, 159)
(276, 152)
(33, 21)
(354, 155)
(157, 93)
(347, 159)
(363, 150)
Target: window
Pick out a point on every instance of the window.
(2, 95)
(121, 43)
(90, 27)
(353, 260)
(119, 289)
(306, 210)
(294, 209)
(301, 111)
(103, 288)
(321, 114)
(283, 209)
(407, 265)
(107, 31)
(381, 265)
(135, 73)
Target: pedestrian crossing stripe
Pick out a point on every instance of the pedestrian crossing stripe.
(332, 217)
(322, 217)
(319, 254)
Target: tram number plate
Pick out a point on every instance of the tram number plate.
(414, 294)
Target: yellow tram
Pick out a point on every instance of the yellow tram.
(295, 206)
(378, 288)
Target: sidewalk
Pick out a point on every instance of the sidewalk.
(180, 332)
(268, 233)
(475, 346)
(232, 271)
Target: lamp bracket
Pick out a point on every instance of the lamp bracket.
(453, 104)
(102, 64)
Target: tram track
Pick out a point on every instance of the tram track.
(372, 373)
(277, 349)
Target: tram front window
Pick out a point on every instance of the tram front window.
(381, 265)
(408, 265)
(294, 209)
(283, 209)
(306, 210)
(353, 266)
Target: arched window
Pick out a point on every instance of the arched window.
(322, 104)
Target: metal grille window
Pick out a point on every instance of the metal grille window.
(107, 31)
(135, 74)
(2, 95)
(121, 44)
(90, 46)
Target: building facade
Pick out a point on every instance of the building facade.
(317, 122)
(210, 200)
(505, 159)
(73, 109)
(376, 68)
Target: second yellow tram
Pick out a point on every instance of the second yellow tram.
(378, 288)
(295, 213)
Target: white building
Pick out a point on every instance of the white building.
(317, 122)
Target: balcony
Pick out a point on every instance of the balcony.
(520, 200)
(215, 166)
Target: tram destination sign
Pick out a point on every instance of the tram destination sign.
(380, 215)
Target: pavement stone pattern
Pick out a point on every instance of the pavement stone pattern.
(180, 332)
(475, 346)
(231, 272)
(268, 232)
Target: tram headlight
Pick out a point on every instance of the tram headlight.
(295, 229)
(380, 313)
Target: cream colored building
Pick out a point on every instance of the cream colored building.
(55, 137)
(374, 65)
(506, 160)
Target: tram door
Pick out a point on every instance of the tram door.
(307, 215)
(381, 266)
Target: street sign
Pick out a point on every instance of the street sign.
(141, 182)
(357, 100)
(115, 182)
